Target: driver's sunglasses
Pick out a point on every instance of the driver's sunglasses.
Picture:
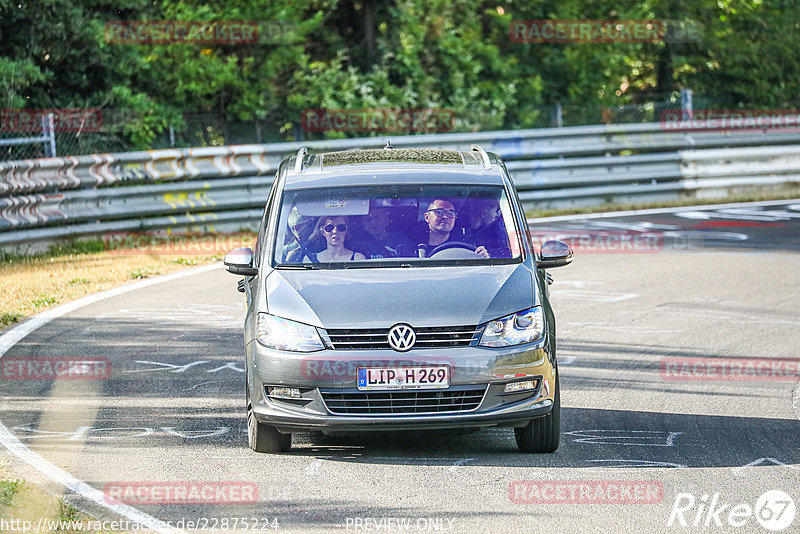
(329, 227)
(450, 214)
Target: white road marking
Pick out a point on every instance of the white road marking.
(724, 316)
(707, 215)
(229, 365)
(641, 438)
(213, 315)
(660, 211)
(195, 434)
(458, 463)
(16, 333)
(83, 433)
(636, 226)
(777, 215)
(313, 467)
(579, 284)
(576, 231)
(707, 235)
(581, 291)
(76, 485)
(622, 463)
(593, 296)
(737, 471)
(611, 327)
(166, 366)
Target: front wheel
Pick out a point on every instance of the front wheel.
(265, 438)
(543, 433)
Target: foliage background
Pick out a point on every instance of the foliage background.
(452, 54)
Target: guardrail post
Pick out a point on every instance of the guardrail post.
(686, 104)
(556, 117)
(48, 131)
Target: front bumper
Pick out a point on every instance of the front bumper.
(331, 372)
(287, 420)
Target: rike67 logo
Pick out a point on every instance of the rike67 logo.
(774, 510)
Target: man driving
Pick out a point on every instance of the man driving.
(441, 218)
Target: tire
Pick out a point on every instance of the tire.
(542, 434)
(265, 438)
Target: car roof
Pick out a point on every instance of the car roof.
(390, 165)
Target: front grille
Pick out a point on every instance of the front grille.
(377, 338)
(355, 402)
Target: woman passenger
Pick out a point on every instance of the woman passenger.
(334, 230)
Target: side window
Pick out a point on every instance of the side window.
(260, 239)
(262, 230)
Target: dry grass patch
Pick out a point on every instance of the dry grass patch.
(29, 285)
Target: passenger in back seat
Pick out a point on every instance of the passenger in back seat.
(379, 242)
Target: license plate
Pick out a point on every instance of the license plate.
(422, 377)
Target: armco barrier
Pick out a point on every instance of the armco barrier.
(224, 188)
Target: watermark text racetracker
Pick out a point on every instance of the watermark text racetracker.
(586, 492)
(326, 369)
(730, 369)
(64, 119)
(180, 492)
(734, 120)
(603, 31)
(603, 241)
(55, 368)
(159, 244)
(224, 32)
(378, 120)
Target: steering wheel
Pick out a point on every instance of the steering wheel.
(452, 244)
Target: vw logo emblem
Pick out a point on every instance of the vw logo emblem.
(402, 337)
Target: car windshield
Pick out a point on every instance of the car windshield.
(418, 225)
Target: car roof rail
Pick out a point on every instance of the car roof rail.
(487, 164)
(300, 161)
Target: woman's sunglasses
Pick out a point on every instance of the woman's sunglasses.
(329, 227)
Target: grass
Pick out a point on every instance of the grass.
(67, 512)
(32, 284)
(9, 488)
(10, 318)
(21, 501)
(139, 273)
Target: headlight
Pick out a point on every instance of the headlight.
(515, 329)
(283, 334)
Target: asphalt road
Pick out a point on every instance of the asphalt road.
(629, 321)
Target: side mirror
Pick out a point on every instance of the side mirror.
(555, 254)
(240, 261)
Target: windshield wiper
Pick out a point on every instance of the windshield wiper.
(295, 267)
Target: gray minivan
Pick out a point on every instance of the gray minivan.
(398, 289)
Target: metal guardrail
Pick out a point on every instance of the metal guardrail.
(224, 188)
